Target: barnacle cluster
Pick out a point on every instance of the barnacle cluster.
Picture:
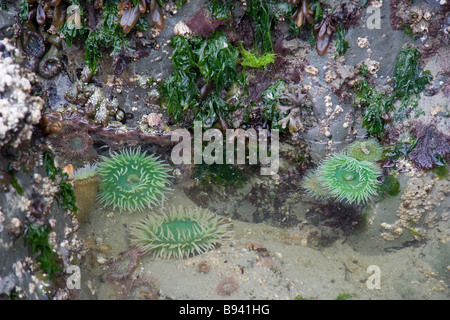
(20, 110)
(415, 19)
(95, 105)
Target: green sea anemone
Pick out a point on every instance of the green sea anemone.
(180, 232)
(347, 178)
(131, 180)
(86, 171)
(313, 187)
(369, 150)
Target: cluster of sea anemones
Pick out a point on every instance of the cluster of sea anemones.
(46, 62)
(351, 176)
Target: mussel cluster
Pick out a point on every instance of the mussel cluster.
(302, 13)
(324, 28)
(130, 14)
(43, 50)
(41, 10)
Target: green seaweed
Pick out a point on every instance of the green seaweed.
(399, 150)
(409, 78)
(23, 11)
(71, 33)
(375, 105)
(178, 3)
(409, 81)
(3, 6)
(217, 60)
(303, 298)
(212, 108)
(363, 69)
(390, 185)
(340, 42)
(263, 16)
(196, 61)
(108, 34)
(14, 181)
(220, 9)
(271, 97)
(50, 166)
(344, 296)
(408, 31)
(441, 172)
(224, 174)
(65, 195)
(250, 59)
(38, 237)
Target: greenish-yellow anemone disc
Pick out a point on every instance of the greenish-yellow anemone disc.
(349, 179)
(369, 150)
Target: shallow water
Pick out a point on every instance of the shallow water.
(305, 254)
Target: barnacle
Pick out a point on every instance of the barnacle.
(325, 29)
(302, 13)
